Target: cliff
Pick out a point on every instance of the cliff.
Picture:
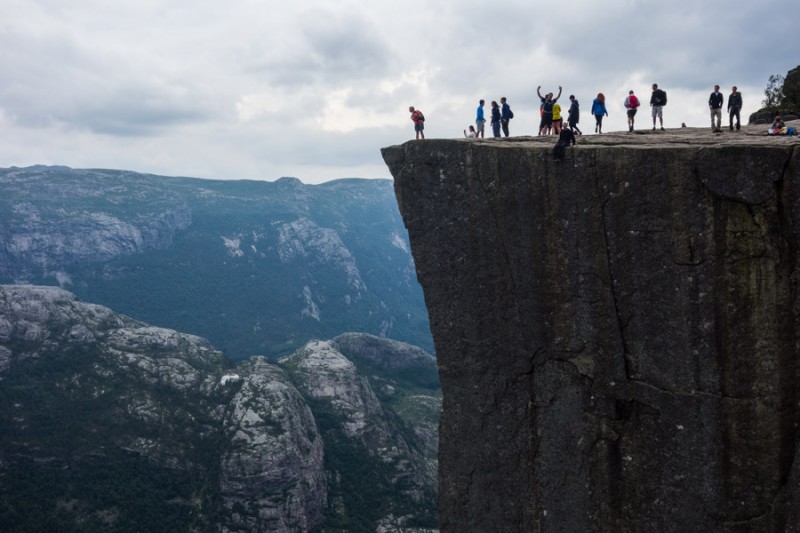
(615, 333)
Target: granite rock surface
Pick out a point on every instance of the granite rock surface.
(615, 332)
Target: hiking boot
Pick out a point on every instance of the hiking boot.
(654, 128)
(662, 128)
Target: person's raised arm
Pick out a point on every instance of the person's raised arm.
(539, 92)
(559, 92)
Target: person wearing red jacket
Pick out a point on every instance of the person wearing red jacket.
(419, 122)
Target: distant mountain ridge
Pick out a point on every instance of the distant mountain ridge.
(255, 267)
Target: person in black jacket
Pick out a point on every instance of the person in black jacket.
(505, 115)
(734, 107)
(573, 115)
(715, 105)
(565, 138)
(657, 101)
(495, 119)
(546, 110)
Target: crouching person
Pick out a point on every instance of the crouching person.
(565, 138)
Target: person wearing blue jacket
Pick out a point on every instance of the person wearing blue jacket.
(505, 115)
(479, 119)
(598, 110)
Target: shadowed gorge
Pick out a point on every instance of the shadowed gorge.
(615, 333)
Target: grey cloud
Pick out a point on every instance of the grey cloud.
(227, 89)
(347, 46)
(61, 80)
(333, 47)
(130, 117)
(107, 107)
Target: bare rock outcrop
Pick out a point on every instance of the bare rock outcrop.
(272, 475)
(108, 423)
(336, 386)
(616, 333)
(89, 389)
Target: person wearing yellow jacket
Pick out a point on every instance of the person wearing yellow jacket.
(557, 120)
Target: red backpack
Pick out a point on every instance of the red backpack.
(633, 102)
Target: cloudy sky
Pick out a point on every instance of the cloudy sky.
(313, 89)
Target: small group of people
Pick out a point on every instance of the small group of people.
(658, 99)
(551, 122)
(715, 101)
(550, 110)
(501, 115)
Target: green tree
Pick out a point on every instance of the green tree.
(791, 89)
(774, 92)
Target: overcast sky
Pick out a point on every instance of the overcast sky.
(313, 89)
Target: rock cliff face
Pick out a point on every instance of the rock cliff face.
(615, 333)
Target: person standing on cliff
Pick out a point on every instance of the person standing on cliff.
(598, 110)
(734, 108)
(547, 109)
(631, 104)
(574, 115)
(419, 121)
(715, 106)
(657, 101)
(557, 120)
(505, 115)
(495, 119)
(480, 121)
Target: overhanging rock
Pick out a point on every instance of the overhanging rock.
(616, 332)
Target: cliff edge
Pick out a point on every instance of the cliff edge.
(616, 333)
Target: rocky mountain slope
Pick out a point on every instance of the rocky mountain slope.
(109, 424)
(616, 333)
(255, 267)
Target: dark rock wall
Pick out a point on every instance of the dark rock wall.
(615, 333)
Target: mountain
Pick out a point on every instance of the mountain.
(110, 424)
(617, 332)
(256, 267)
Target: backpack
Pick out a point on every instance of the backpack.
(632, 101)
(421, 116)
(663, 97)
(510, 113)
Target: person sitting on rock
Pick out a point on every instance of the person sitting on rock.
(565, 138)
(777, 126)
